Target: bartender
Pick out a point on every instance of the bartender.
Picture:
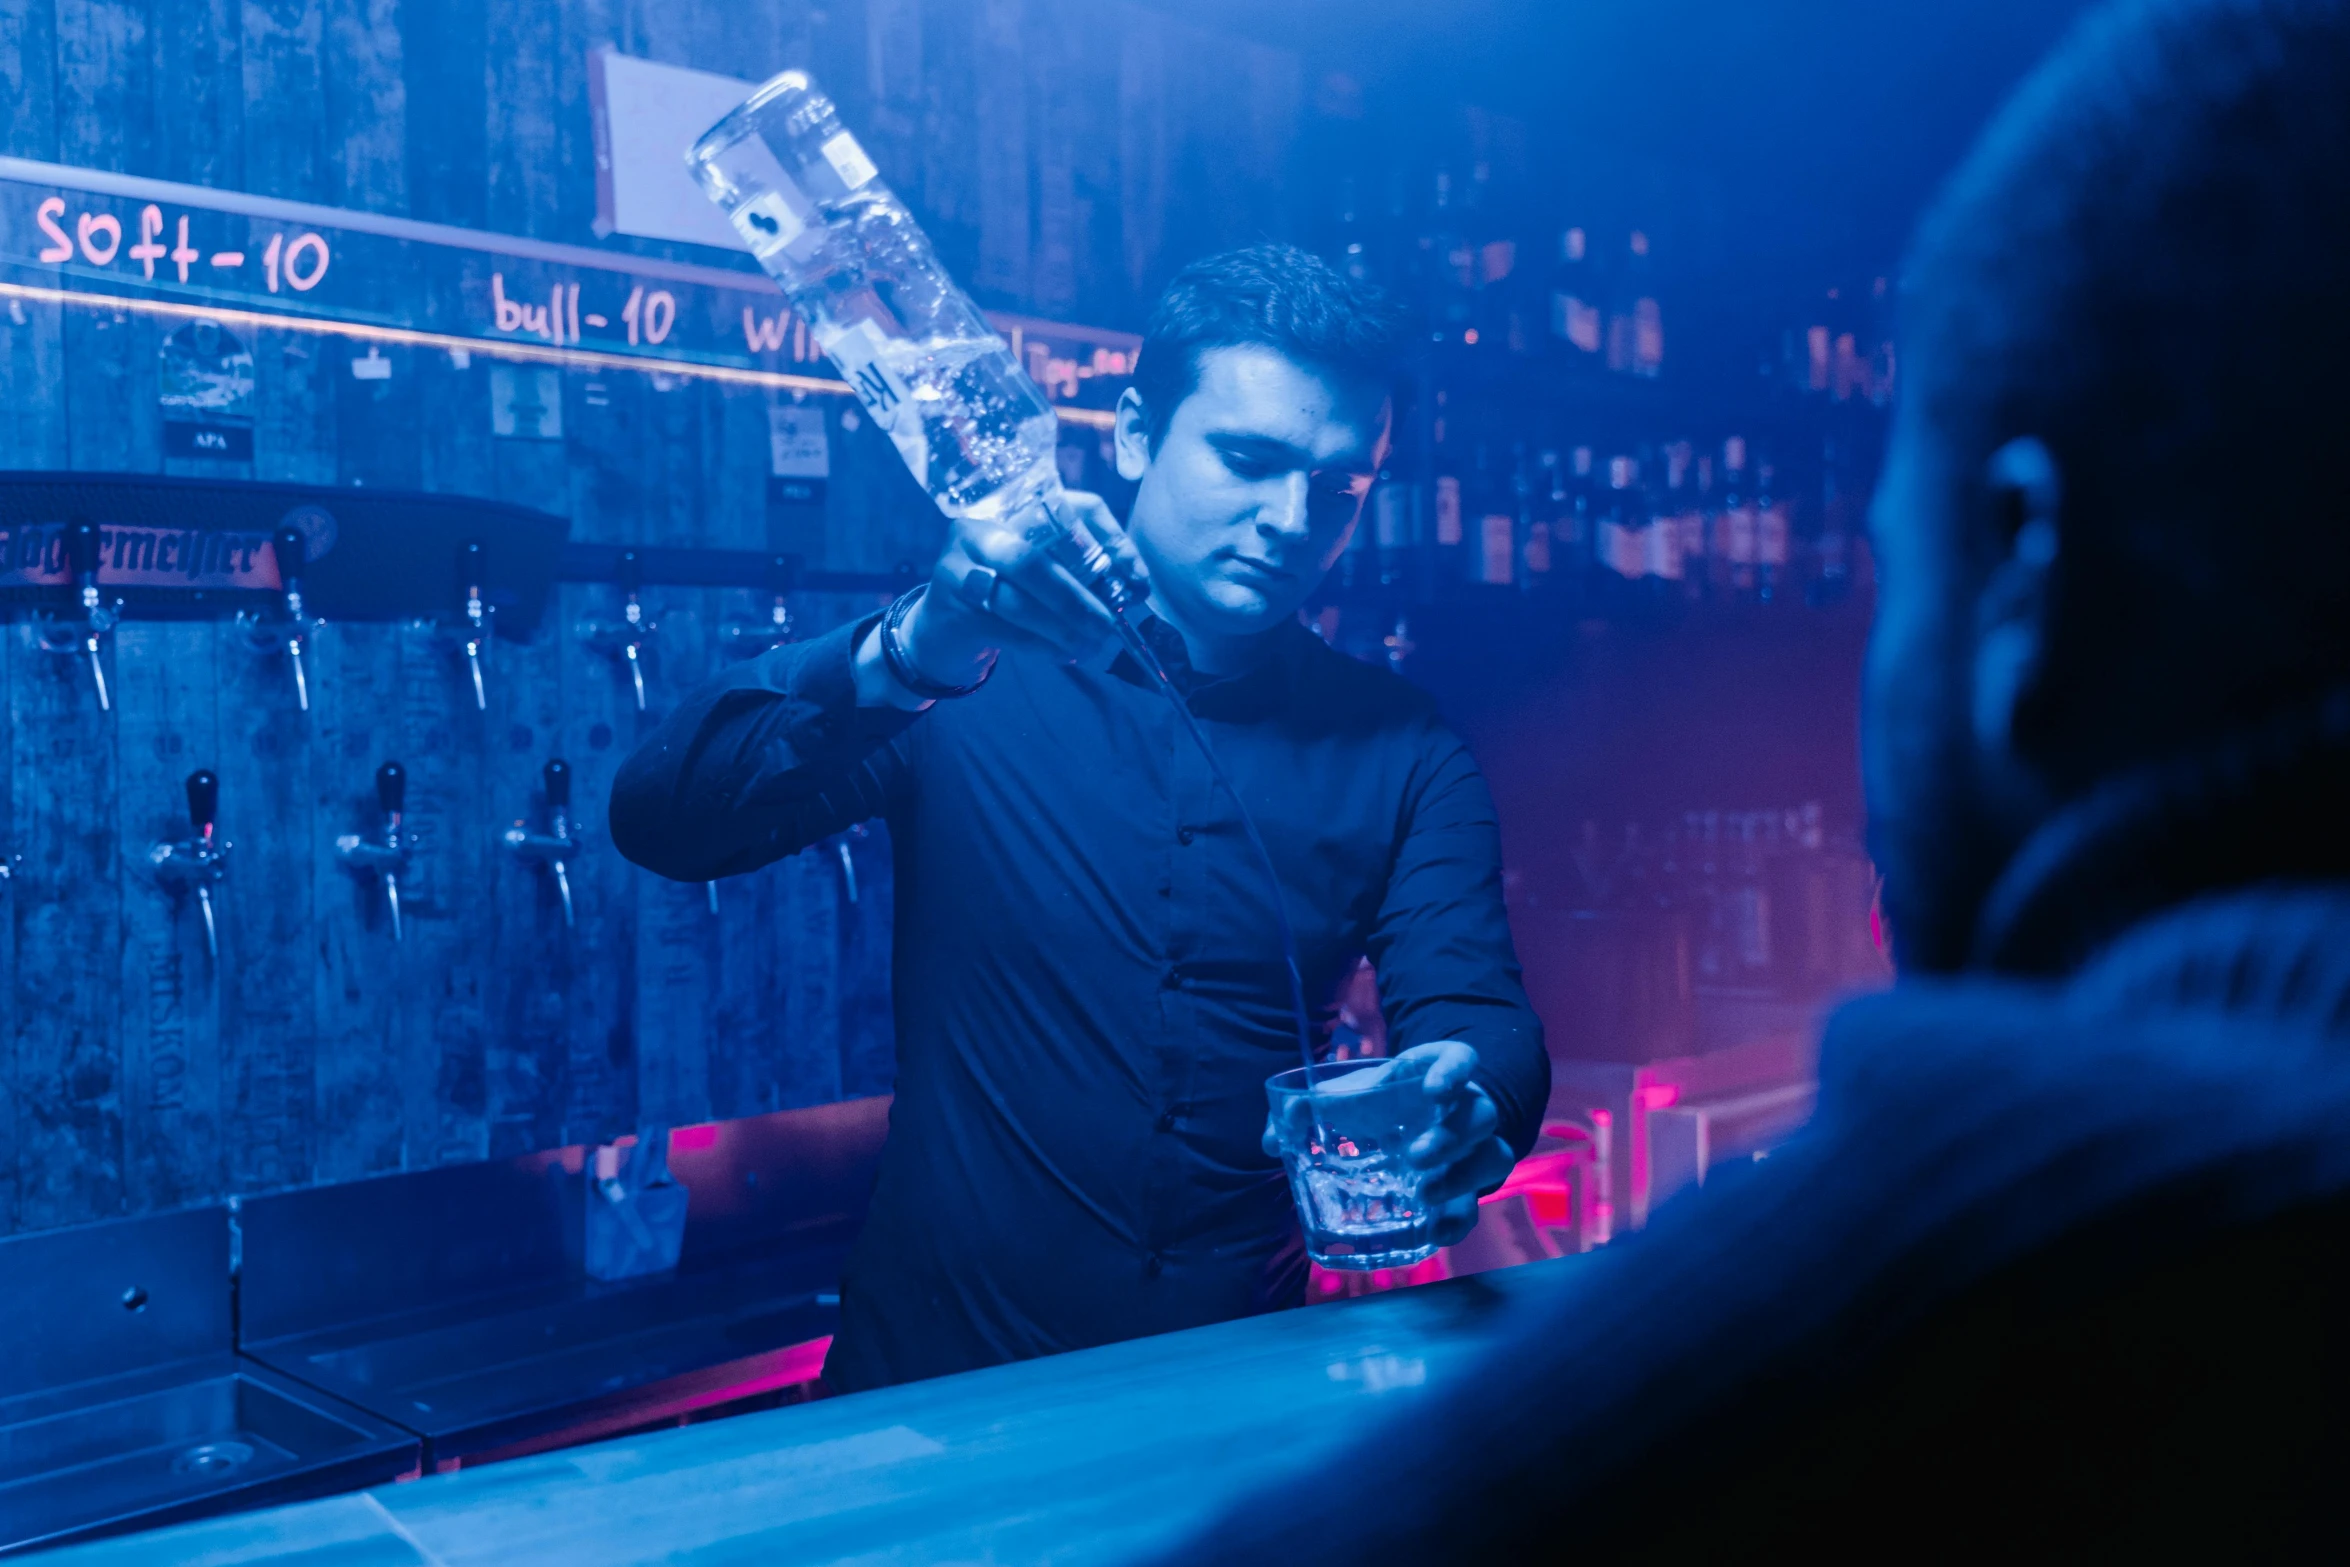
(1089, 986)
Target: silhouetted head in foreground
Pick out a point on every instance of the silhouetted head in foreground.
(2113, 528)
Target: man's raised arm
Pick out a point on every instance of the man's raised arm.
(761, 762)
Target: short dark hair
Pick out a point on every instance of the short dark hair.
(2144, 262)
(1275, 295)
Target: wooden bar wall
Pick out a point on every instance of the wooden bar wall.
(1067, 155)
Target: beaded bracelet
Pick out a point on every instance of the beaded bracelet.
(901, 664)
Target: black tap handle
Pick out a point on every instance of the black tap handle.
(203, 800)
(472, 561)
(558, 776)
(391, 788)
(629, 571)
(81, 551)
(783, 573)
(293, 552)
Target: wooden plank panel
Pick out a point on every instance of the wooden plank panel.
(32, 374)
(63, 1017)
(447, 1016)
(199, 65)
(12, 888)
(268, 954)
(599, 726)
(106, 120)
(444, 63)
(379, 419)
(366, 105)
(679, 939)
(359, 971)
(113, 422)
(526, 124)
(28, 79)
(614, 453)
(270, 767)
(1051, 72)
(1002, 107)
(285, 98)
(443, 1016)
(1142, 151)
(739, 1025)
(526, 1069)
(294, 425)
(105, 85)
(167, 676)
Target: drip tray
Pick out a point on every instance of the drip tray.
(568, 1362)
(134, 1452)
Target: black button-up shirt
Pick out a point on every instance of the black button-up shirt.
(1088, 980)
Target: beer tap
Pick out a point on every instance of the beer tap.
(625, 639)
(472, 573)
(386, 854)
(83, 637)
(748, 639)
(848, 860)
(556, 847)
(291, 635)
(195, 864)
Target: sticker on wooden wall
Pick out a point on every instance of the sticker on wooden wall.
(799, 454)
(526, 402)
(207, 394)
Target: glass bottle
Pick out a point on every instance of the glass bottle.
(973, 429)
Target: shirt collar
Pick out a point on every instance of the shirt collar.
(1270, 674)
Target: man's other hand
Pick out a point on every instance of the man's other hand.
(1462, 1155)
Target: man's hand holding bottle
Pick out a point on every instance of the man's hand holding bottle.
(997, 586)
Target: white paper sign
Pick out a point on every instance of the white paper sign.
(797, 446)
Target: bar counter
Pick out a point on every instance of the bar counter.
(1095, 1456)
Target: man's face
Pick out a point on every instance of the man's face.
(1930, 828)
(1254, 489)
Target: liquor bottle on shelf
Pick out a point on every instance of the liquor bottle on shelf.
(1577, 526)
(1695, 521)
(1446, 531)
(1493, 507)
(1834, 578)
(1622, 549)
(1577, 331)
(1452, 308)
(1881, 355)
(1351, 244)
(1661, 544)
(1771, 530)
(1734, 529)
(1392, 533)
(1648, 318)
(1529, 481)
(1621, 287)
(1635, 322)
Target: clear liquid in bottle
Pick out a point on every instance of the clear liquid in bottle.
(925, 365)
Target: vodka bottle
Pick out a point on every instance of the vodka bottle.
(975, 430)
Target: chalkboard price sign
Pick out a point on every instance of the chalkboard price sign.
(234, 262)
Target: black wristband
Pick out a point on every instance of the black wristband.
(901, 664)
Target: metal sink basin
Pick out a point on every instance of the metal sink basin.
(454, 1304)
(159, 1447)
(123, 1403)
